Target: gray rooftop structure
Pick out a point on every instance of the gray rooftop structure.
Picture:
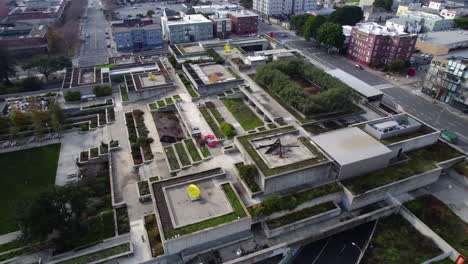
(444, 38)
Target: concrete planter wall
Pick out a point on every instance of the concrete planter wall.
(414, 143)
(148, 93)
(301, 223)
(352, 201)
(462, 179)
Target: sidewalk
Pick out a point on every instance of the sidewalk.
(9, 237)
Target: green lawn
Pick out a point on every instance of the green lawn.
(242, 113)
(299, 215)
(24, 173)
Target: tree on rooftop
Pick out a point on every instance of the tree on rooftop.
(347, 15)
(386, 4)
(47, 65)
(7, 66)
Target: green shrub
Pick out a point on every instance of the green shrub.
(102, 91)
(228, 129)
(216, 57)
(72, 96)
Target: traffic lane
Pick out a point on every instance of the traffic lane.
(428, 112)
(336, 249)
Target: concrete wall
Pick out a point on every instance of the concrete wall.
(351, 201)
(414, 143)
(176, 245)
(462, 179)
(376, 134)
(364, 166)
(216, 88)
(301, 223)
(145, 94)
(30, 145)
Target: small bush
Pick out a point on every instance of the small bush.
(102, 91)
(228, 129)
(216, 57)
(72, 96)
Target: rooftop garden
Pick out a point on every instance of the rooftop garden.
(299, 215)
(420, 160)
(442, 220)
(143, 188)
(171, 158)
(235, 74)
(267, 171)
(132, 137)
(275, 203)
(99, 255)
(243, 114)
(123, 222)
(154, 237)
(211, 122)
(188, 86)
(192, 149)
(183, 156)
(248, 173)
(238, 213)
(462, 168)
(410, 247)
(124, 93)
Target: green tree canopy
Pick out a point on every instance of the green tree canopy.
(347, 15)
(461, 22)
(331, 35)
(7, 65)
(312, 26)
(397, 65)
(47, 65)
(228, 129)
(297, 23)
(150, 13)
(246, 3)
(386, 4)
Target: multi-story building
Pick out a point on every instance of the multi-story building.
(436, 4)
(38, 12)
(244, 22)
(23, 39)
(373, 43)
(442, 42)
(454, 13)
(430, 22)
(447, 80)
(377, 14)
(189, 28)
(136, 34)
(282, 7)
(222, 25)
(404, 25)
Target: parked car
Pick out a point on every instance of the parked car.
(359, 66)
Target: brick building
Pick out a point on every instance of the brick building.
(244, 22)
(222, 25)
(373, 43)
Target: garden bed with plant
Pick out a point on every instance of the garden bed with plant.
(143, 141)
(143, 188)
(183, 156)
(420, 161)
(94, 152)
(216, 114)
(132, 137)
(172, 158)
(211, 122)
(110, 114)
(205, 152)
(154, 236)
(124, 93)
(192, 149)
(114, 144)
(188, 86)
(84, 156)
(249, 173)
(299, 215)
(99, 255)
(243, 114)
(123, 222)
(103, 148)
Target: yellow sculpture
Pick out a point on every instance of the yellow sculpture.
(152, 77)
(193, 190)
(227, 48)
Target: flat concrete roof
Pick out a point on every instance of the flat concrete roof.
(185, 211)
(350, 145)
(358, 85)
(444, 38)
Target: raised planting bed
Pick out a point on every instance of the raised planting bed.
(192, 149)
(188, 86)
(103, 148)
(231, 71)
(205, 152)
(442, 220)
(171, 158)
(395, 241)
(161, 103)
(124, 93)
(110, 114)
(299, 215)
(143, 140)
(242, 113)
(213, 125)
(248, 173)
(420, 160)
(176, 97)
(132, 136)
(291, 201)
(143, 188)
(106, 103)
(183, 156)
(154, 237)
(272, 126)
(15, 253)
(94, 152)
(153, 106)
(114, 144)
(123, 222)
(462, 168)
(154, 178)
(99, 255)
(169, 101)
(84, 156)
(217, 115)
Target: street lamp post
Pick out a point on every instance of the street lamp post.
(354, 244)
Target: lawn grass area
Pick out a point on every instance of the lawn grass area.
(154, 237)
(24, 173)
(396, 241)
(124, 93)
(293, 200)
(153, 106)
(299, 215)
(205, 152)
(242, 113)
(192, 150)
(188, 86)
(420, 160)
(171, 157)
(95, 256)
(236, 206)
(231, 71)
(442, 220)
(183, 156)
(267, 171)
(213, 125)
(217, 115)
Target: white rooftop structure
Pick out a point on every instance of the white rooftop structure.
(189, 19)
(376, 29)
(350, 145)
(387, 124)
(359, 86)
(243, 13)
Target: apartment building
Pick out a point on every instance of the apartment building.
(189, 28)
(38, 12)
(373, 43)
(447, 80)
(244, 22)
(430, 22)
(22, 39)
(136, 34)
(222, 25)
(453, 13)
(404, 25)
(282, 7)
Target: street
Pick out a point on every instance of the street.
(94, 50)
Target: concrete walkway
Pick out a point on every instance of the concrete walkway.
(9, 237)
